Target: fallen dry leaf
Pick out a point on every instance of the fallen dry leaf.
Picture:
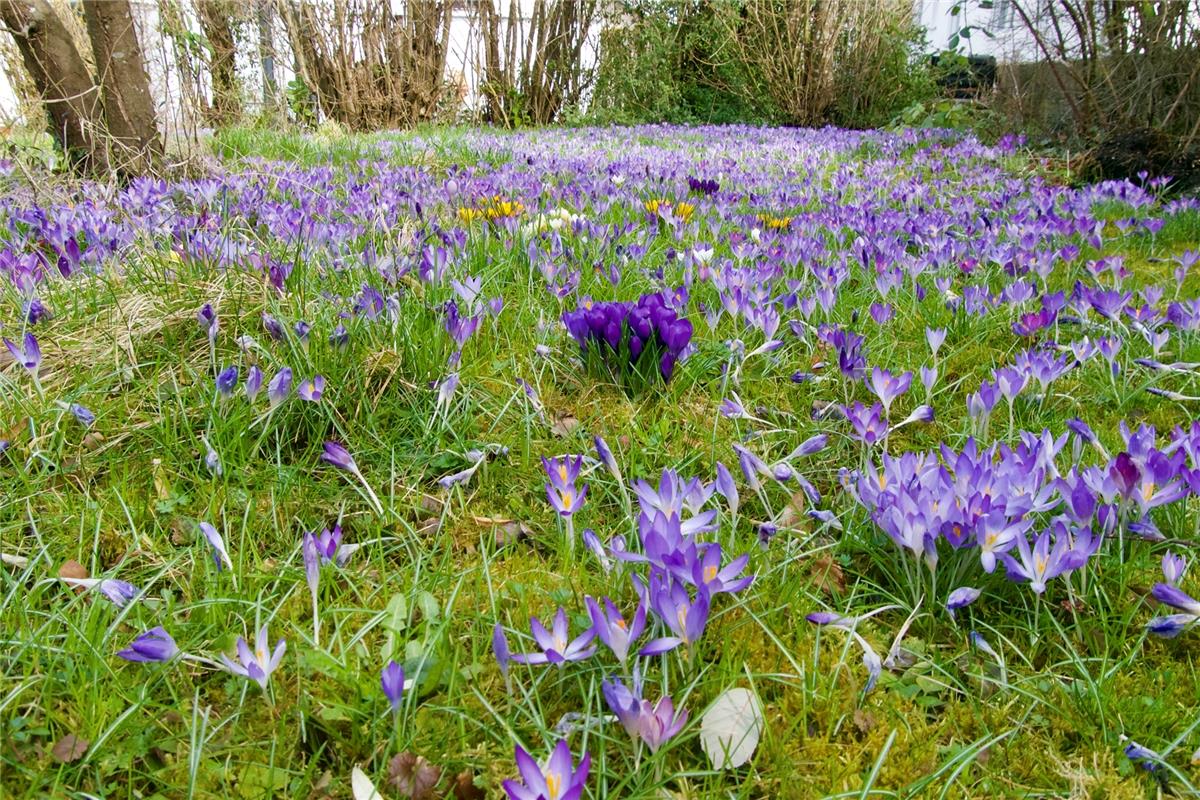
(180, 534)
(431, 504)
(72, 569)
(465, 788)
(828, 574)
(563, 426)
(13, 560)
(162, 487)
(320, 789)
(414, 777)
(792, 516)
(512, 532)
(69, 748)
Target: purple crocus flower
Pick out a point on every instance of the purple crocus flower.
(257, 664)
(961, 598)
(118, 592)
(882, 313)
(500, 649)
(312, 389)
(981, 403)
(557, 648)
(309, 550)
(280, 386)
(28, 354)
(1011, 381)
(220, 554)
(1173, 567)
(154, 645)
(935, 337)
(660, 723)
(653, 724)
(227, 381)
(207, 318)
(1144, 757)
(446, 389)
(85, 417)
(929, 376)
(1171, 625)
(870, 424)
(339, 456)
(626, 703)
(330, 549)
(1176, 598)
(566, 500)
(273, 327)
(35, 311)
(888, 387)
(708, 574)
(684, 617)
(995, 534)
(612, 629)
(592, 542)
(254, 382)
(871, 659)
(211, 459)
(810, 446)
(558, 780)
(302, 329)
(726, 487)
(981, 644)
(1039, 564)
(605, 455)
(392, 681)
(562, 471)
(732, 408)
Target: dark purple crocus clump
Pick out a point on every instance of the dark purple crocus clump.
(704, 186)
(624, 332)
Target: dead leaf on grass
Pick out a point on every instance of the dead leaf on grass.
(69, 748)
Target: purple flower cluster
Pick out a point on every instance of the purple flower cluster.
(808, 254)
(1018, 506)
(624, 332)
(675, 597)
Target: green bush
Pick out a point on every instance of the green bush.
(690, 61)
(871, 88)
(664, 61)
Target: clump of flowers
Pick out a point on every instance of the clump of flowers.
(492, 209)
(775, 223)
(665, 208)
(623, 336)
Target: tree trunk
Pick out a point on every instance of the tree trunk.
(61, 76)
(215, 18)
(312, 67)
(125, 87)
(266, 53)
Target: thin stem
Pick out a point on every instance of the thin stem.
(208, 662)
(569, 523)
(316, 619)
(370, 493)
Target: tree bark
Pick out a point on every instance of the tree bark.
(215, 16)
(266, 53)
(69, 93)
(125, 86)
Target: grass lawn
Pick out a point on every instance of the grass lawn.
(424, 278)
